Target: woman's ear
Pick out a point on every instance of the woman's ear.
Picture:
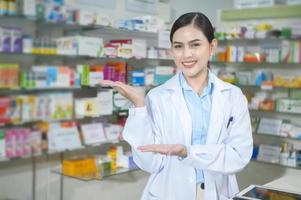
(213, 46)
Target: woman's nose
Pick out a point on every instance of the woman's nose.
(187, 52)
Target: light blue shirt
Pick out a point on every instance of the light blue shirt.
(199, 107)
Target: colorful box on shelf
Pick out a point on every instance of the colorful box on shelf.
(9, 110)
(17, 142)
(126, 48)
(163, 73)
(2, 144)
(9, 76)
(95, 106)
(289, 81)
(137, 78)
(80, 45)
(11, 40)
(81, 167)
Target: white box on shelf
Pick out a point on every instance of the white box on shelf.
(113, 131)
(63, 138)
(269, 126)
(105, 101)
(269, 153)
(139, 48)
(93, 133)
(27, 7)
(89, 46)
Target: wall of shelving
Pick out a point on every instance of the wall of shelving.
(262, 172)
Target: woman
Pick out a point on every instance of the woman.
(193, 132)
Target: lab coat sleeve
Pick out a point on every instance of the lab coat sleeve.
(233, 153)
(141, 128)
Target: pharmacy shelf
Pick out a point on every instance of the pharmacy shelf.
(276, 164)
(118, 171)
(77, 27)
(279, 11)
(77, 119)
(51, 153)
(72, 57)
(255, 87)
(10, 91)
(257, 64)
(256, 40)
(253, 111)
(276, 136)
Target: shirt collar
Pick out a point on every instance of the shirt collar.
(207, 90)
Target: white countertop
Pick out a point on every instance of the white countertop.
(288, 182)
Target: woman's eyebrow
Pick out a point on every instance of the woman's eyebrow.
(195, 40)
(191, 41)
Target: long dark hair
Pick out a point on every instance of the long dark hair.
(197, 19)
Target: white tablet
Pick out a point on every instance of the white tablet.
(256, 192)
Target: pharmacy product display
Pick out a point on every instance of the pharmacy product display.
(51, 104)
(263, 58)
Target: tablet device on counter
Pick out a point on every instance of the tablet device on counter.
(256, 192)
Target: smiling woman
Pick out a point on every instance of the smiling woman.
(189, 133)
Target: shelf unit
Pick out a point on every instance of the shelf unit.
(243, 17)
(276, 164)
(119, 171)
(42, 58)
(276, 136)
(42, 154)
(275, 12)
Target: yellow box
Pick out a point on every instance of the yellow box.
(81, 167)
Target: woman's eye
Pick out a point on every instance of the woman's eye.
(177, 46)
(196, 45)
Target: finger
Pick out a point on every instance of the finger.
(107, 83)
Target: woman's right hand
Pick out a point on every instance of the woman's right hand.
(127, 91)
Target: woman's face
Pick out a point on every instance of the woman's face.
(191, 50)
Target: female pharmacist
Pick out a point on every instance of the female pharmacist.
(192, 133)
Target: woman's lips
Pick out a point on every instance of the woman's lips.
(189, 64)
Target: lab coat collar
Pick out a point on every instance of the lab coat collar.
(217, 110)
(174, 83)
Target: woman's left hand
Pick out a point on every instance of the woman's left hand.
(166, 149)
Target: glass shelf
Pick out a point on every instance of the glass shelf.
(257, 64)
(10, 91)
(78, 27)
(276, 164)
(274, 112)
(279, 11)
(72, 57)
(255, 87)
(91, 178)
(256, 40)
(53, 121)
(277, 136)
(41, 154)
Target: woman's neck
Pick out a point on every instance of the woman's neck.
(198, 82)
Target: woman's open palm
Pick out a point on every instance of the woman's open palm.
(127, 91)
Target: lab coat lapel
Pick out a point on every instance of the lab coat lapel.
(183, 113)
(217, 114)
(180, 106)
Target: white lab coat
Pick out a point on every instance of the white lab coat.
(166, 120)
